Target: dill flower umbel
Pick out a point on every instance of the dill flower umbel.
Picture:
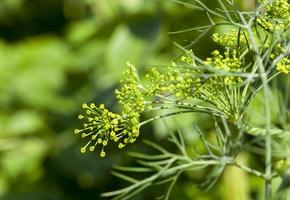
(102, 126)
(130, 94)
(99, 127)
(276, 16)
(231, 39)
(283, 65)
(229, 62)
(182, 79)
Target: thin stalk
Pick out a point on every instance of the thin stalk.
(164, 116)
(268, 138)
(250, 170)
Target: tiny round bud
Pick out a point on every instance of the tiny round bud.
(149, 107)
(131, 140)
(102, 106)
(115, 122)
(81, 116)
(120, 146)
(76, 131)
(107, 126)
(83, 150)
(103, 154)
(134, 120)
(105, 143)
(135, 131)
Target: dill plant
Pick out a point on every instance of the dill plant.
(255, 52)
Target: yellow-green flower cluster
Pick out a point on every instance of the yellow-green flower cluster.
(229, 62)
(130, 94)
(181, 79)
(185, 80)
(282, 65)
(276, 16)
(102, 126)
(230, 39)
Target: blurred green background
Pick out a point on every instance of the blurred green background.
(56, 55)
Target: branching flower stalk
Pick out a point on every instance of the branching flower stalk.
(222, 86)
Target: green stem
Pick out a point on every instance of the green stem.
(250, 170)
(184, 105)
(163, 116)
(268, 138)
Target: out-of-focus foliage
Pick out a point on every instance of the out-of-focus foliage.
(57, 54)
